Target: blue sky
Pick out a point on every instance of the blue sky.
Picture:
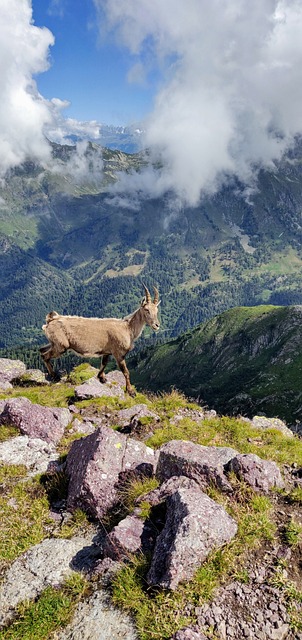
(88, 70)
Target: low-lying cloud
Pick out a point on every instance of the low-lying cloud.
(231, 98)
(24, 50)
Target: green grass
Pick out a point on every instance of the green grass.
(292, 533)
(55, 395)
(7, 432)
(233, 432)
(53, 610)
(24, 513)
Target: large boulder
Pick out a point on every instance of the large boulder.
(195, 525)
(205, 465)
(260, 474)
(97, 463)
(34, 420)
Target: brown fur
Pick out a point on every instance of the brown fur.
(98, 336)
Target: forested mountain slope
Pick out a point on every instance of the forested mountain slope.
(69, 241)
(246, 360)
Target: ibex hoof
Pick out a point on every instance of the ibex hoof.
(131, 392)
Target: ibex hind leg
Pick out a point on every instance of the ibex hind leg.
(101, 373)
(47, 353)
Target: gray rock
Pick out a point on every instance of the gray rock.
(11, 369)
(194, 526)
(258, 473)
(93, 388)
(190, 633)
(95, 465)
(48, 563)
(131, 535)
(261, 422)
(97, 619)
(205, 465)
(5, 385)
(126, 416)
(34, 420)
(32, 377)
(34, 453)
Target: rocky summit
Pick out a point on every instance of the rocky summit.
(144, 518)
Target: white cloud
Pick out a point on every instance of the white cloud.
(232, 92)
(23, 112)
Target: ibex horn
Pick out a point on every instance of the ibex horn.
(156, 295)
(148, 295)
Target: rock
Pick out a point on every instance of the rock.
(194, 526)
(136, 419)
(5, 385)
(190, 633)
(261, 422)
(34, 453)
(48, 563)
(11, 369)
(131, 535)
(258, 473)
(97, 619)
(82, 426)
(93, 388)
(96, 463)
(159, 495)
(205, 465)
(34, 420)
(32, 377)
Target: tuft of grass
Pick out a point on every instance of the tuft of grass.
(81, 373)
(168, 403)
(52, 611)
(78, 523)
(292, 533)
(295, 496)
(7, 432)
(134, 489)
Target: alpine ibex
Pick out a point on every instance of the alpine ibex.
(90, 337)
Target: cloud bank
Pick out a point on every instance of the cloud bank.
(231, 97)
(23, 111)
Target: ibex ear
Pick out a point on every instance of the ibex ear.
(144, 301)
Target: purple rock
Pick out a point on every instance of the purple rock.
(34, 420)
(195, 525)
(258, 473)
(131, 535)
(205, 465)
(97, 463)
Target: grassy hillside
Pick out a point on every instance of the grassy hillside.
(246, 360)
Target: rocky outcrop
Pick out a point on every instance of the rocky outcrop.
(195, 525)
(97, 463)
(34, 420)
(131, 535)
(205, 465)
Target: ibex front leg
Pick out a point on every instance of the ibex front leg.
(123, 367)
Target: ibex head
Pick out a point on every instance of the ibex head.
(150, 308)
